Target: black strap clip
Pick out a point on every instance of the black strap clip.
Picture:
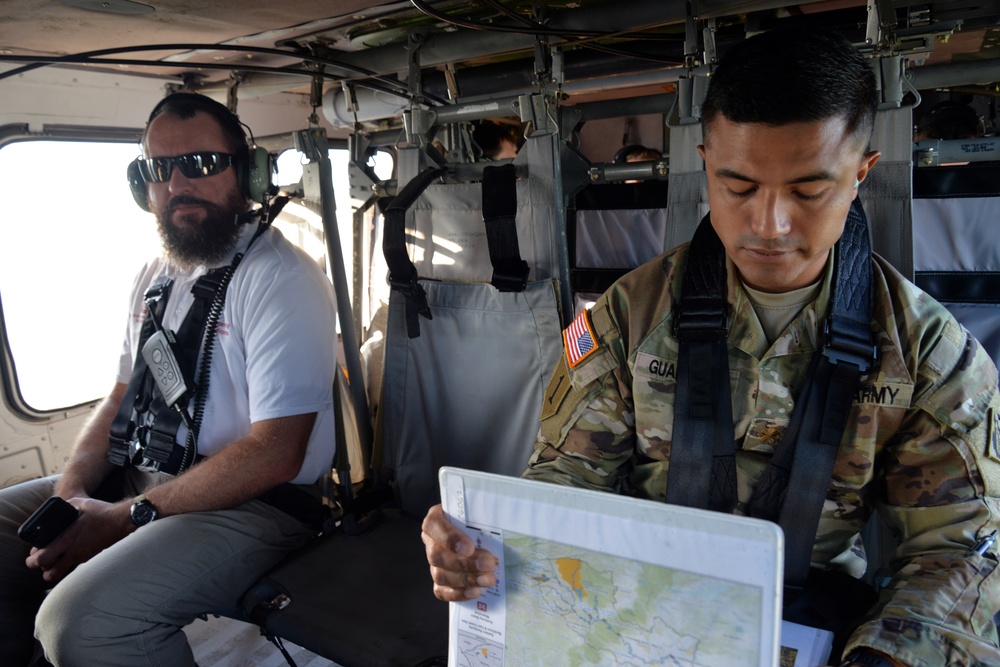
(847, 341)
(510, 275)
(416, 303)
(208, 284)
(704, 320)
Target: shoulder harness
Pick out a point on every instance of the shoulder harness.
(144, 430)
(794, 486)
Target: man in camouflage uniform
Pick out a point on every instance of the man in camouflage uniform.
(787, 121)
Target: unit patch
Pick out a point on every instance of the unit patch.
(993, 438)
(579, 339)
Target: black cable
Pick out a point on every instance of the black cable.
(76, 60)
(509, 13)
(427, 10)
(46, 60)
(506, 11)
(392, 86)
(535, 28)
(632, 54)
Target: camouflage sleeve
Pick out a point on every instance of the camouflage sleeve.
(939, 495)
(587, 424)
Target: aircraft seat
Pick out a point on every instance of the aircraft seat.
(462, 387)
(613, 228)
(956, 250)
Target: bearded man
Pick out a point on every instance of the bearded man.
(186, 498)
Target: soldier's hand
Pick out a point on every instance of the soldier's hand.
(459, 570)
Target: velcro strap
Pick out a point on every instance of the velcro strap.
(402, 272)
(510, 272)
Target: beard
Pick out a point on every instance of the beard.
(198, 240)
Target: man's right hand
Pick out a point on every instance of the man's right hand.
(459, 570)
(100, 525)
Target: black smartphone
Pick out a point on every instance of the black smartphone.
(47, 522)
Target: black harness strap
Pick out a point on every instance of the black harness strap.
(122, 427)
(793, 488)
(142, 396)
(156, 443)
(703, 418)
(848, 352)
(402, 273)
(510, 272)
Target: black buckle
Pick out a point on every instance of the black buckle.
(510, 276)
(702, 320)
(157, 290)
(413, 292)
(118, 452)
(208, 284)
(849, 342)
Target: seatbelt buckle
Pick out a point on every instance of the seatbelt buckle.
(208, 284)
(849, 342)
(118, 452)
(156, 291)
(702, 320)
(510, 276)
(414, 294)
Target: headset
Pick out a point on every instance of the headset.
(253, 164)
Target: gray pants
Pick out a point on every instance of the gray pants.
(127, 605)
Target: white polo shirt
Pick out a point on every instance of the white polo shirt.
(275, 347)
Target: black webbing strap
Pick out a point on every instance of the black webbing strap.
(510, 272)
(848, 352)
(122, 427)
(402, 274)
(794, 487)
(703, 419)
(142, 395)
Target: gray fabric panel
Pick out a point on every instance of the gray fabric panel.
(447, 240)
(468, 391)
(686, 192)
(956, 234)
(888, 188)
(548, 223)
(619, 239)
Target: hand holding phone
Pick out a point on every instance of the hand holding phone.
(48, 522)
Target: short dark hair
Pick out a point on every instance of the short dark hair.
(489, 135)
(950, 119)
(186, 105)
(791, 76)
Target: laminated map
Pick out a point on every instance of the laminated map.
(590, 578)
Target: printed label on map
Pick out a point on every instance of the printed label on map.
(482, 622)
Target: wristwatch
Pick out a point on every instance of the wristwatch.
(862, 657)
(142, 511)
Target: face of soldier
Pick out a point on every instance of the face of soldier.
(779, 195)
(196, 217)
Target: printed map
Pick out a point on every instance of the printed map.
(570, 606)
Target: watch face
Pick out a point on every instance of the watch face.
(143, 513)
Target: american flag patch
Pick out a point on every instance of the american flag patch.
(579, 339)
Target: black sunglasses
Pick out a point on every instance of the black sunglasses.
(192, 165)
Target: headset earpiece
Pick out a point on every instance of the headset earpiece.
(258, 175)
(137, 185)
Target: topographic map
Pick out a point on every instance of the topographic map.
(566, 605)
